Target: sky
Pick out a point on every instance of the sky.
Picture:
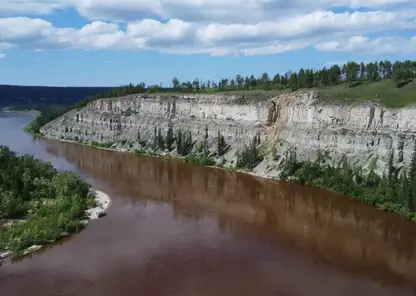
(114, 42)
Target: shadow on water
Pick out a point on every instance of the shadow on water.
(326, 228)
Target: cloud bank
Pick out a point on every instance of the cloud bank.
(215, 27)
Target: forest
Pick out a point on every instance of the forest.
(38, 204)
(351, 73)
(33, 97)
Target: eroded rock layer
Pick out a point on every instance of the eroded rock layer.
(366, 133)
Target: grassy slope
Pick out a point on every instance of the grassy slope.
(388, 94)
(384, 92)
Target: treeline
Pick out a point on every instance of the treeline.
(38, 204)
(22, 97)
(395, 191)
(352, 73)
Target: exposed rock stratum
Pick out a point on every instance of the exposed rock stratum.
(365, 133)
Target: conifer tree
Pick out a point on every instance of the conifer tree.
(169, 139)
(179, 142)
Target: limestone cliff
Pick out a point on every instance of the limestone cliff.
(365, 133)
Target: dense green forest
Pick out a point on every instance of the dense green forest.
(390, 83)
(22, 97)
(352, 73)
(395, 191)
(38, 204)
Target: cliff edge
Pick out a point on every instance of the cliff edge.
(365, 133)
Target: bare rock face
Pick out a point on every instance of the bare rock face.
(365, 133)
(115, 120)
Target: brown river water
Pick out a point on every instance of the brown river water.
(178, 229)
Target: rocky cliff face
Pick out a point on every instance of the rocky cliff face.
(365, 133)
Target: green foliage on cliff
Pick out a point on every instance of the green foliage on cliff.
(201, 160)
(250, 157)
(38, 204)
(221, 144)
(47, 114)
(394, 192)
(102, 145)
(184, 142)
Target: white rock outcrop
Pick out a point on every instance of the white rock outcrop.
(364, 132)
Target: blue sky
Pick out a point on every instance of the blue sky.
(113, 42)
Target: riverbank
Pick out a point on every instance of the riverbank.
(103, 203)
(267, 154)
(392, 197)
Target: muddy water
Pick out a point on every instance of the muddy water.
(180, 229)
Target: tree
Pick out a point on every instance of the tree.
(302, 79)
(351, 72)
(240, 81)
(179, 142)
(175, 84)
(155, 140)
(51, 202)
(221, 145)
(293, 81)
(195, 85)
(169, 139)
(265, 81)
(160, 140)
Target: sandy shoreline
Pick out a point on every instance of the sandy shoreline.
(103, 203)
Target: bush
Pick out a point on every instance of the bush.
(41, 202)
(207, 161)
(392, 192)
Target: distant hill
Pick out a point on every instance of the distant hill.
(16, 96)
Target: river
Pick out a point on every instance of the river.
(179, 229)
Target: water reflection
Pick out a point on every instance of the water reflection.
(325, 228)
(182, 230)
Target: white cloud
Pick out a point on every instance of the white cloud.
(18, 7)
(228, 11)
(364, 45)
(2, 55)
(216, 27)
(217, 10)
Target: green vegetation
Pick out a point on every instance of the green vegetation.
(38, 204)
(393, 192)
(202, 160)
(384, 92)
(250, 156)
(101, 145)
(222, 147)
(184, 143)
(47, 114)
(390, 83)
